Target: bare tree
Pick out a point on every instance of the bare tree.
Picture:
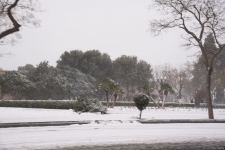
(174, 77)
(197, 18)
(12, 12)
(180, 78)
(16, 25)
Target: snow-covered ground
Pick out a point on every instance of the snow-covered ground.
(109, 131)
(117, 113)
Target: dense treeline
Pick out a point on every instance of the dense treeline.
(45, 82)
(95, 74)
(77, 74)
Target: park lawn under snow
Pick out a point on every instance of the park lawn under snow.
(114, 114)
(109, 131)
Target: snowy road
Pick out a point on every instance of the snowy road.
(112, 133)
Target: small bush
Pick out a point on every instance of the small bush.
(141, 101)
(89, 105)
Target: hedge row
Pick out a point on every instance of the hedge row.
(167, 104)
(69, 104)
(151, 104)
(49, 104)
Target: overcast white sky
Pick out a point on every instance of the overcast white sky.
(117, 27)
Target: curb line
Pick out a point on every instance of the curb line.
(41, 124)
(65, 123)
(164, 121)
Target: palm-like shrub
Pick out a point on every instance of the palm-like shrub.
(165, 89)
(110, 87)
(141, 101)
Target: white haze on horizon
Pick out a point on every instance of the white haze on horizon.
(116, 27)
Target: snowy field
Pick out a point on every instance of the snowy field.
(118, 113)
(117, 127)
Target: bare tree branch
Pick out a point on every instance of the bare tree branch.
(16, 25)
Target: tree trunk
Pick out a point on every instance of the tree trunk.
(115, 98)
(209, 96)
(163, 100)
(140, 114)
(128, 93)
(0, 92)
(180, 88)
(180, 93)
(107, 98)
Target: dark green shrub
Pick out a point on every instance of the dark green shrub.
(89, 105)
(48, 104)
(141, 102)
